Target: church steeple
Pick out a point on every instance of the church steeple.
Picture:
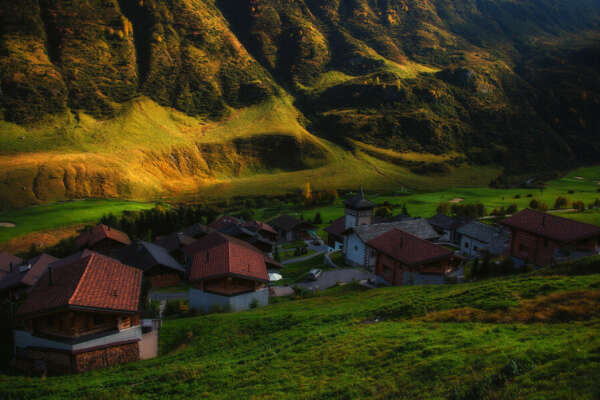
(359, 210)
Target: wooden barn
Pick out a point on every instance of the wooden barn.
(406, 259)
(542, 239)
(102, 239)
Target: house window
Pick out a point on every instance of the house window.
(355, 248)
(523, 248)
(545, 242)
(475, 248)
(466, 245)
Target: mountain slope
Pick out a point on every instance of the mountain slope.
(501, 82)
(513, 338)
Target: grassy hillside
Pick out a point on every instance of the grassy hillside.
(139, 100)
(526, 337)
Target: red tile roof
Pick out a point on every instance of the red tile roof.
(551, 226)
(94, 282)
(408, 249)
(220, 255)
(92, 236)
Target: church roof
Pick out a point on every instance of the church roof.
(359, 202)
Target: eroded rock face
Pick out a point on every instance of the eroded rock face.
(472, 77)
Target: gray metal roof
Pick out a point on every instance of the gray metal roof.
(480, 231)
(162, 256)
(418, 227)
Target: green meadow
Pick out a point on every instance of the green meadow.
(64, 214)
(523, 337)
(583, 182)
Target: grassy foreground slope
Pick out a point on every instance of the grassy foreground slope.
(526, 337)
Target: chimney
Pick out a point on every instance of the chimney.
(544, 220)
(12, 268)
(50, 277)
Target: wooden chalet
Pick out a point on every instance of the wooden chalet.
(263, 229)
(102, 239)
(402, 258)
(81, 315)
(159, 267)
(543, 239)
(227, 273)
(291, 228)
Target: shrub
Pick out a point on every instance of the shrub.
(517, 196)
(529, 195)
(571, 191)
(579, 206)
(513, 208)
(254, 303)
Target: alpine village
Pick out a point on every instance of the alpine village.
(311, 199)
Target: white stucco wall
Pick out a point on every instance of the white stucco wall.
(354, 249)
(24, 339)
(470, 250)
(208, 302)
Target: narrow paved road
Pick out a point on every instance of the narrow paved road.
(331, 278)
(304, 258)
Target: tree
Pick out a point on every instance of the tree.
(561, 202)
(443, 208)
(383, 212)
(318, 220)
(512, 209)
(307, 191)
(404, 210)
(579, 206)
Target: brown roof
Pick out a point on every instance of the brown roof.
(220, 255)
(94, 282)
(408, 249)
(337, 227)
(27, 273)
(551, 226)
(225, 220)
(90, 237)
(257, 226)
(5, 261)
(174, 241)
(288, 223)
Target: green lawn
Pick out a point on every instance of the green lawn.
(389, 343)
(57, 215)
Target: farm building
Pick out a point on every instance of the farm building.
(80, 316)
(102, 239)
(335, 233)
(159, 267)
(447, 227)
(7, 263)
(174, 244)
(402, 259)
(542, 239)
(227, 274)
(291, 228)
(356, 251)
(475, 238)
